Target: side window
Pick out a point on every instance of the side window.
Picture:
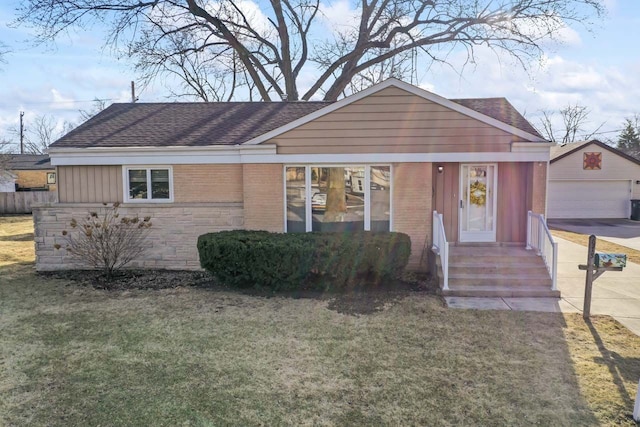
(152, 184)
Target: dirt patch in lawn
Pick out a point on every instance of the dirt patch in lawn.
(361, 298)
(135, 279)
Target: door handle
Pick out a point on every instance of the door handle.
(461, 206)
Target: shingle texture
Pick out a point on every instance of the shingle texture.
(30, 162)
(225, 123)
(184, 124)
(499, 109)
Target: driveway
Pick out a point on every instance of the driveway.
(615, 293)
(624, 232)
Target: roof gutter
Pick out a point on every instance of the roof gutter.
(67, 156)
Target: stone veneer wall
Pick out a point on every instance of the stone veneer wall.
(172, 241)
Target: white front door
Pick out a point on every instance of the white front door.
(478, 202)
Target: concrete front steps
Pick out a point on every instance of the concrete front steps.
(497, 271)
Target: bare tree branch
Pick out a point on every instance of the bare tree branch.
(574, 118)
(266, 47)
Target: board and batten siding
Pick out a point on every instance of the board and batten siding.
(614, 167)
(514, 194)
(393, 121)
(90, 184)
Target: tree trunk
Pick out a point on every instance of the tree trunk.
(336, 193)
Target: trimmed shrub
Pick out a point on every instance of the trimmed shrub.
(278, 261)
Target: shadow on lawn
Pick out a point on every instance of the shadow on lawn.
(25, 237)
(358, 299)
(621, 368)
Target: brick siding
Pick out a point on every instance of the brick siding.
(412, 207)
(263, 197)
(207, 183)
(539, 188)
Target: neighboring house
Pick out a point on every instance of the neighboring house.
(591, 180)
(403, 152)
(34, 172)
(7, 182)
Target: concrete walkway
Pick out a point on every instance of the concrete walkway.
(616, 294)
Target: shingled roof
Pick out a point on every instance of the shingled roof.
(184, 124)
(223, 123)
(499, 109)
(30, 162)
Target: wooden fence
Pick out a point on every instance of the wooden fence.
(20, 201)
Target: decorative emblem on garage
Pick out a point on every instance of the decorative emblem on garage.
(592, 161)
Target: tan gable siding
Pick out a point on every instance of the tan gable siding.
(393, 121)
(90, 184)
(614, 167)
(207, 183)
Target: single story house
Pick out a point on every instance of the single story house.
(398, 152)
(591, 179)
(33, 171)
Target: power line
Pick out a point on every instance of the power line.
(67, 102)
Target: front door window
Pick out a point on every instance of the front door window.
(478, 203)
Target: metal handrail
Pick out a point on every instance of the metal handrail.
(440, 247)
(539, 238)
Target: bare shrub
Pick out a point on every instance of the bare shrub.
(104, 240)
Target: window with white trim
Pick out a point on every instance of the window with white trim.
(338, 198)
(148, 184)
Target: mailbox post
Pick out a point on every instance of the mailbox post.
(606, 262)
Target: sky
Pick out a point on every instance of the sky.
(598, 69)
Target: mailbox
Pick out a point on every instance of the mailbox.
(603, 260)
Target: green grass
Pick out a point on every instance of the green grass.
(72, 355)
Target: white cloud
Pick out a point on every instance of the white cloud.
(338, 16)
(429, 87)
(58, 98)
(609, 91)
(569, 36)
(611, 5)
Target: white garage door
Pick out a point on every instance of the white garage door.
(589, 199)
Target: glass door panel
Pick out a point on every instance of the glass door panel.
(478, 203)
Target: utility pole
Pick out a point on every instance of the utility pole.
(21, 132)
(133, 92)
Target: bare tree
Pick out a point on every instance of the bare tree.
(98, 105)
(267, 46)
(574, 120)
(4, 50)
(40, 132)
(5, 153)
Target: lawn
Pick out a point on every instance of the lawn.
(601, 244)
(74, 355)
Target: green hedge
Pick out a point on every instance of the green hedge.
(312, 260)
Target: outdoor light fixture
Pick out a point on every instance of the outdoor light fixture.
(440, 169)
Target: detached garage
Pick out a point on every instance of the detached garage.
(591, 180)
